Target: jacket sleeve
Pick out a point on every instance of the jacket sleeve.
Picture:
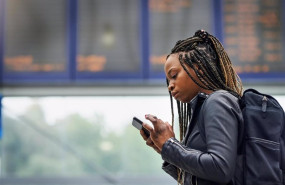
(221, 116)
(170, 169)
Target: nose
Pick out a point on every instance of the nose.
(170, 86)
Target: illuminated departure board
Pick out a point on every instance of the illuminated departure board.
(128, 40)
(35, 36)
(254, 35)
(108, 36)
(173, 20)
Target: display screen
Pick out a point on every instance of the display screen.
(98, 40)
(172, 20)
(254, 36)
(108, 36)
(35, 36)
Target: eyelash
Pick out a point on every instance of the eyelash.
(174, 76)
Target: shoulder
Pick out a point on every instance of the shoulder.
(222, 98)
(222, 93)
(221, 108)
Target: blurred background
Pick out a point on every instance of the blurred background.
(73, 73)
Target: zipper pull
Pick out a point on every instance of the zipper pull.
(264, 103)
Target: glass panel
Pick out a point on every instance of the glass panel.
(81, 140)
(35, 36)
(254, 35)
(89, 140)
(172, 20)
(108, 36)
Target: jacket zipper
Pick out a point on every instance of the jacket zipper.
(187, 150)
(264, 103)
(260, 140)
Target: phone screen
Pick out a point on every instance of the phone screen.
(138, 124)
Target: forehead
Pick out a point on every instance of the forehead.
(172, 61)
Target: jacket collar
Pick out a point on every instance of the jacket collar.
(195, 104)
(200, 97)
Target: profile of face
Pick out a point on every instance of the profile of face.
(181, 86)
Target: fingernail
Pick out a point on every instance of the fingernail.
(146, 116)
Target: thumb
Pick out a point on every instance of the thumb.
(148, 127)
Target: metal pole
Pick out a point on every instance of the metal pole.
(1, 154)
(0, 116)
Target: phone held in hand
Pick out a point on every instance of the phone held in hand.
(138, 124)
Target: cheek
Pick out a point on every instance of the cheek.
(191, 89)
(188, 83)
(188, 86)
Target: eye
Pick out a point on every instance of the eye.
(174, 76)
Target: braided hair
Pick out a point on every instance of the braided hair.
(213, 69)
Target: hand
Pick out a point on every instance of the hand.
(149, 142)
(160, 132)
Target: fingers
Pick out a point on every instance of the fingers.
(148, 127)
(151, 118)
(169, 126)
(156, 149)
(158, 124)
(154, 120)
(150, 143)
(144, 136)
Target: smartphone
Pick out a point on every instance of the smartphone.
(138, 124)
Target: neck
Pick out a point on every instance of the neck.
(206, 91)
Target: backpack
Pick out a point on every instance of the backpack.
(263, 139)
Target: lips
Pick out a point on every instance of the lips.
(174, 94)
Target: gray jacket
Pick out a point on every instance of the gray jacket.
(211, 159)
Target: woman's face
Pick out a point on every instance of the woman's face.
(181, 86)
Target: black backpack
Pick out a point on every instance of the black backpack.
(263, 139)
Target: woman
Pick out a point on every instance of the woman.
(201, 78)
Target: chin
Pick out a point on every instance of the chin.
(186, 100)
(183, 101)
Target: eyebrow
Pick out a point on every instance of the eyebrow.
(168, 73)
